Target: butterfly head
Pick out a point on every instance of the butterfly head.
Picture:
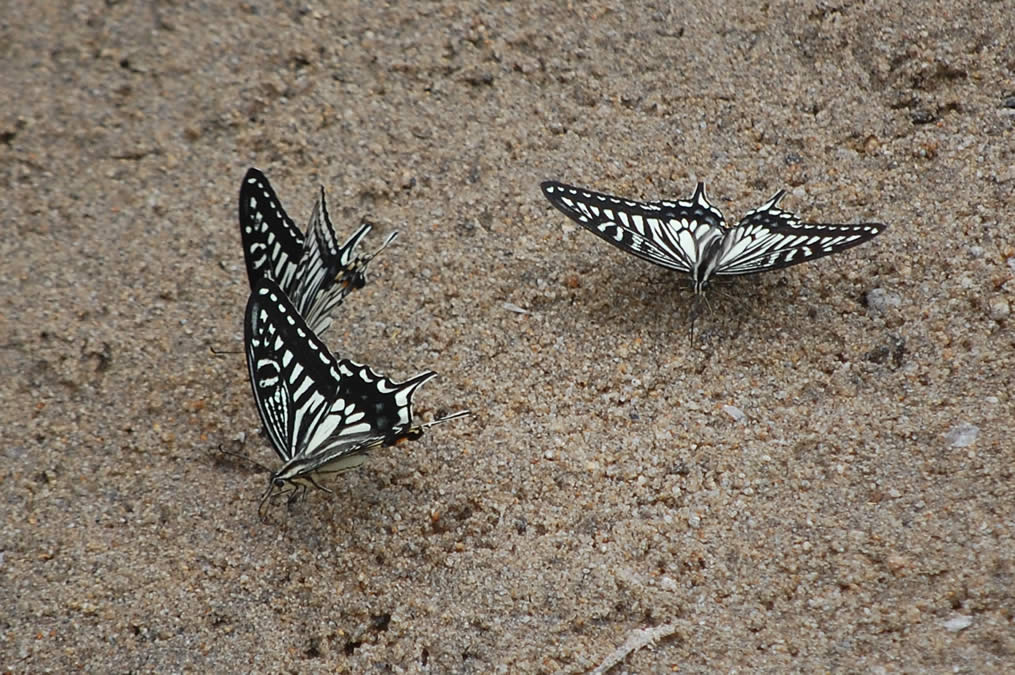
(293, 485)
(276, 485)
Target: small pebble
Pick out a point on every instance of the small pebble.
(999, 308)
(512, 307)
(736, 413)
(962, 435)
(958, 622)
(880, 300)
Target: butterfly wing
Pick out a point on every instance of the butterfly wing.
(293, 376)
(769, 238)
(321, 281)
(667, 233)
(376, 404)
(327, 272)
(319, 412)
(272, 244)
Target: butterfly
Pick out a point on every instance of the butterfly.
(322, 415)
(312, 270)
(692, 236)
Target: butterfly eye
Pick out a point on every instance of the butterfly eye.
(278, 482)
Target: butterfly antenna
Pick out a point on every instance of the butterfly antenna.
(248, 460)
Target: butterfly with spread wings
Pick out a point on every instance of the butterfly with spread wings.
(322, 415)
(691, 236)
(313, 270)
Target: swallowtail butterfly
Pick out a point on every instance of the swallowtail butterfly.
(321, 414)
(692, 236)
(314, 271)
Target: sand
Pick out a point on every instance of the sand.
(820, 478)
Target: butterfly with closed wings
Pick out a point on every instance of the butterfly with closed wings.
(691, 236)
(313, 270)
(322, 415)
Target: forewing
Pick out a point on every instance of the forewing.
(272, 244)
(666, 233)
(769, 238)
(293, 376)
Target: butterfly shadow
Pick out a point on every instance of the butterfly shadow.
(232, 454)
(732, 316)
(664, 303)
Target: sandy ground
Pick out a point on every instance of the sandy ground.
(604, 485)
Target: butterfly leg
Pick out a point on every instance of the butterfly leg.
(317, 485)
(696, 304)
(298, 494)
(265, 498)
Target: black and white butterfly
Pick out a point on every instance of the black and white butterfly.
(322, 415)
(692, 236)
(313, 270)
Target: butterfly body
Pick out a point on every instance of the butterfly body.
(321, 414)
(692, 236)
